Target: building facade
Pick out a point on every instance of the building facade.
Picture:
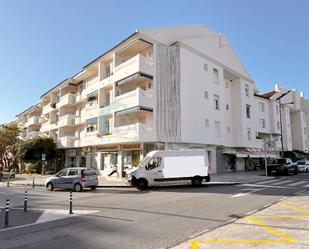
(167, 88)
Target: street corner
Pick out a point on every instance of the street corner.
(17, 217)
(283, 225)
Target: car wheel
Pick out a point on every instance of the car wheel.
(50, 186)
(78, 187)
(295, 172)
(196, 181)
(142, 184)
(93, 187)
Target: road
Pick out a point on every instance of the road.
(128, 218)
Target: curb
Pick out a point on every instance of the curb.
(128, 186)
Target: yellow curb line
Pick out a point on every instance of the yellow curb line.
(286, 239)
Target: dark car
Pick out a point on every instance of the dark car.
(282, 166)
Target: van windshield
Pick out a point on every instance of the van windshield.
(144, 161)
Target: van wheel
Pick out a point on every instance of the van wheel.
(196, 181)
(50, 186)
(142, 184)
(78, 187)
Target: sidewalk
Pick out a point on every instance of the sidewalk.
(114, 181)
(283, 225)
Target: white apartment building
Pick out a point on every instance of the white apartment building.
(166, 88)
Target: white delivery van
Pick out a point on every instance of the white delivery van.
(170, 166)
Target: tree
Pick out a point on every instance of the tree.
(8, 137)
(30, 151)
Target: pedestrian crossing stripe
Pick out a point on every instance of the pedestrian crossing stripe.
(296, 183)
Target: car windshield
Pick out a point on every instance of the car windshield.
(301, 163)
(144, 161)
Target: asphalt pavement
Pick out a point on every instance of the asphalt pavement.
(127, 218)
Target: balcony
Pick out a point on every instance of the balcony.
(79, 120)
(47, 109)
(136, 64)
(68, 99)
(33, 121)
(66, 142)
(91, 111)
(135, 132)
(134, 98)
(33, 134)
(47, 126)
(67, 120)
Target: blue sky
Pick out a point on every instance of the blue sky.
(43, 42)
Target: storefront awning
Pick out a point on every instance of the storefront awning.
(92, 95)
(234, 153)
(134, 109)
(92, 120)
(133, 77)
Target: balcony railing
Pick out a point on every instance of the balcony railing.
(33, 134)
(33, 121)
(67, 120)
(47, 109)
(66, 142)
(133, 132)
(68, 99)
(136, 64)
(134, 98)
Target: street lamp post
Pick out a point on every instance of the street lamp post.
(280, 117)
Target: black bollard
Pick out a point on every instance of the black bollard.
(25, 201)
(71, 204)
(33, 182)
(7, 211)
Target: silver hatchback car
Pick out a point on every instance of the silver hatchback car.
(73, 178)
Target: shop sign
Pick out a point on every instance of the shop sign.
(108, 148)
(131, 146)
(71, 152)
(255, 150)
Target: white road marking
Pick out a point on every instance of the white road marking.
(249, 191)
(251, 212)
(282, 182)
(296, 183)
(268, 181)
(306, 186)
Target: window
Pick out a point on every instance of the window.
(153, 163)
(217, 129)
(278, 125)
(248, 111)
(227, 106)
(247, 90)
(63, 172)
(228, 130)
(91, 128)
(73, 172)
(216, 102)
(249, 134)
(305, 130)
(207, 122)
(57, 97)
(206, 94)
(262, 107)
(205, 67)
(215, 75)
(263, 123)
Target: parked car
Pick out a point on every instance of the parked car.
(8, 174)
(282, 166)
(73, 178)
(303, 165)
(160, 167)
